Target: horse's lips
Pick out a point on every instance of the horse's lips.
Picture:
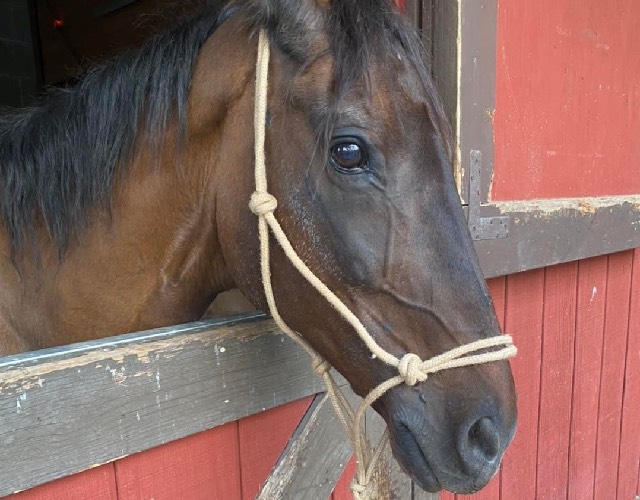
(412, 459)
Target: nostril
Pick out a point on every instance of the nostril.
(479, 445)
(483, 437)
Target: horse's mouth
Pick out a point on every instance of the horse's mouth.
(412, 459)
(449, 438)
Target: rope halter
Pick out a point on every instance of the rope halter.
(411, 368)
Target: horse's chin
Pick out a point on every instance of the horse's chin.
(413, 461)
(458, 452)
(409, 455)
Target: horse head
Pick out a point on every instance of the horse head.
(359, 156)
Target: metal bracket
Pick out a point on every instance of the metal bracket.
(482, 228)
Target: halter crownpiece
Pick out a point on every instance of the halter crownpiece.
(411, 368)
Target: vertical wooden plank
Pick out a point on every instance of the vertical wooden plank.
(523, 320)
(263, 437)
(556, 382)
(204, 466)
(592, 286)
(629, 463)
(342, 491)
(315, 456)
(93, 484)
(497, 287)
(612, 375)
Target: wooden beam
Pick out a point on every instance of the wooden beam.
(312, 463)
(547, 232)
(68, 409)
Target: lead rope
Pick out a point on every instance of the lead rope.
(411, 368)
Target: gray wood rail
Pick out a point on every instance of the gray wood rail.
(67, 409)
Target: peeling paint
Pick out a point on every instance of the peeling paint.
(583, 205)
(18, 378)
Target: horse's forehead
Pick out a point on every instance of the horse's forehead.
(392, 81)
(316, 81)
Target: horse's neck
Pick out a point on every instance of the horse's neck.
(153, 261)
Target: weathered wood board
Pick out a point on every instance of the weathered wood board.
(312, 463)
(93, 403)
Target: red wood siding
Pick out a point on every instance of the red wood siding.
(226, 463)
(199, 467)
(524, 318)
(630, 429)
(342, 491)
(567, 112)
(592, 286)
(577, 327)
(94, 484)
(263, 437)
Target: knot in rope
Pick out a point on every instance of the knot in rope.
(410, 369)
(262, 203)
(320, 366)
(360, 491)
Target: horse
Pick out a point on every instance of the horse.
(125, 207)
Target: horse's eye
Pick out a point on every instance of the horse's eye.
(348, 156)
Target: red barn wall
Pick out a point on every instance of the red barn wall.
(567, 116)
(577, 328)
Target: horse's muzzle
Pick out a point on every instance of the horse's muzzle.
(455, 446)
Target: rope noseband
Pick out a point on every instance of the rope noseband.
(411, 368)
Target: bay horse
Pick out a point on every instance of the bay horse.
(124, 207)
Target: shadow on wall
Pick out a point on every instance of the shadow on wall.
(227, 303)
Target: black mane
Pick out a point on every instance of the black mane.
(61, 158)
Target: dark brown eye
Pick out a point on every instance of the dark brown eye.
(348, 156)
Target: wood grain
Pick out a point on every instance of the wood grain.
(592, 291)
(566, 118)
(612, 375)
(315, 457)
(557, 378)
(524, 318)
(93, 403)
(263, 437)
(342, 490)
(629, 463)
(394, 483)
(93, 484)
(204, 466)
